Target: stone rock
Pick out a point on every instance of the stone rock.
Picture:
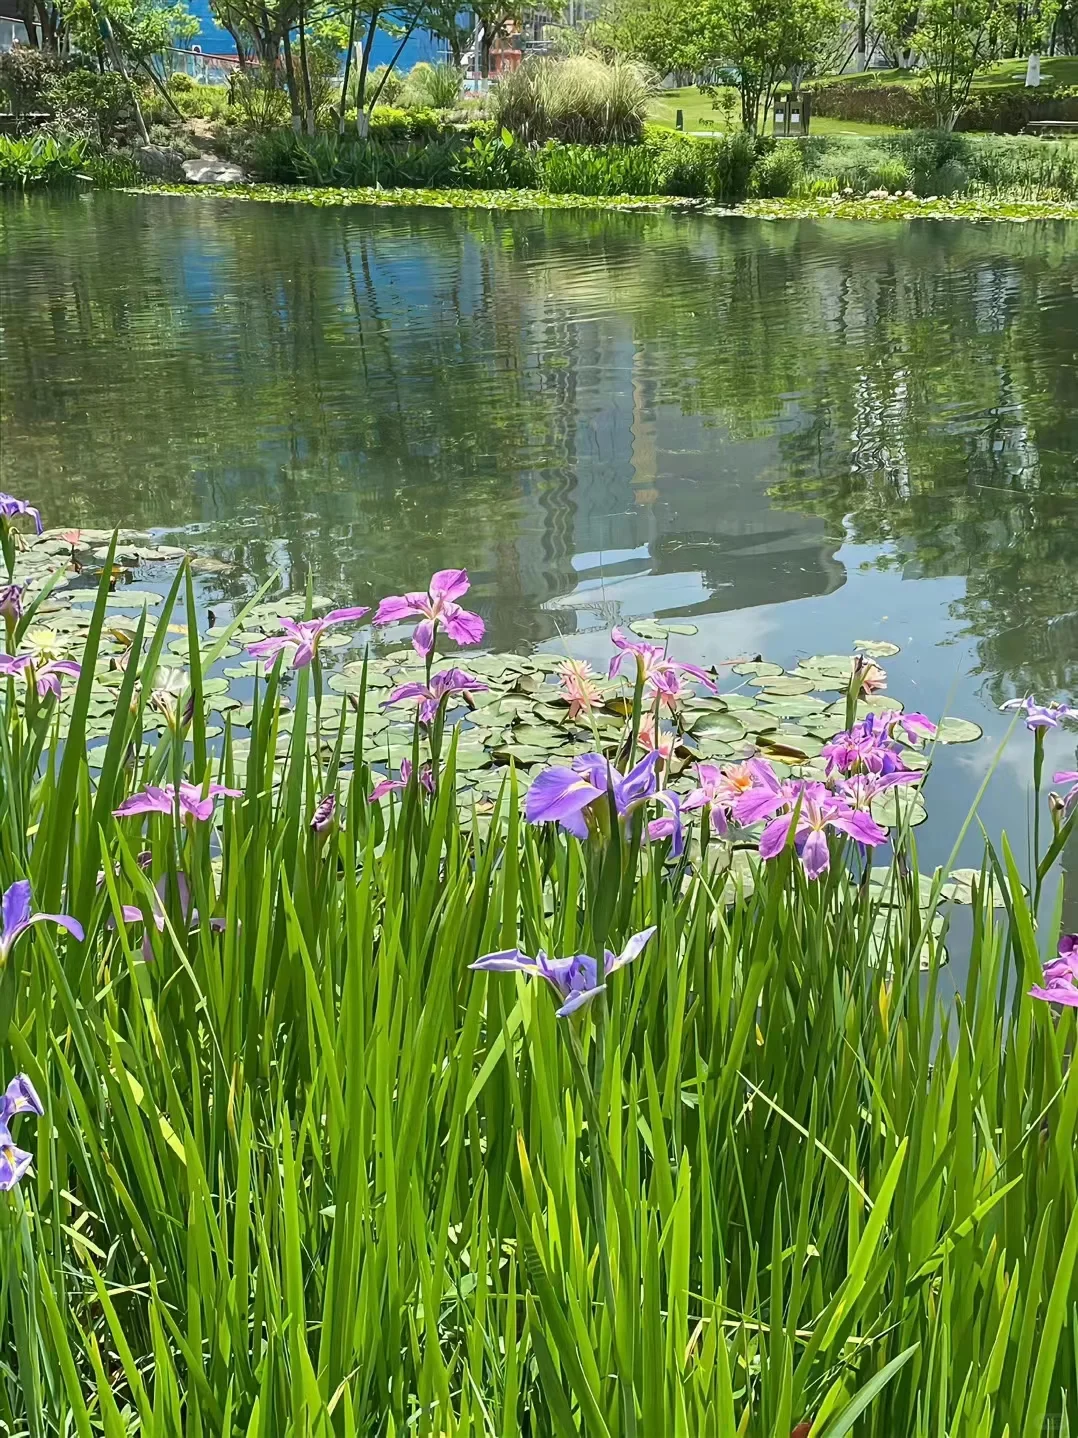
(158, 161)
(208, 171)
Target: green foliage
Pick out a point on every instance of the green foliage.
(40, 160)
(96, 99)
(256, 95)
(202, 102)
(1003, 109)
(599, 169)
(953, 40)
(779, 172)
(434, 87)
(286, 158)
(140, 27)
(718, 169)
(302, 1171)
(386, 83)
(581, 100)
(26, 76)
(495, 161)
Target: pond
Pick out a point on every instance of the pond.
(787, 435)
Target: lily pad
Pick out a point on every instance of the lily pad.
(876, 648)
(959, 888)
(758, 667)
(957, 731)
(660, 628)
(784, 684)
(899, 808)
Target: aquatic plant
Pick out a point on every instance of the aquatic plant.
(321, 1157)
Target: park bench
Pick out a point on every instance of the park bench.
(1047, 128)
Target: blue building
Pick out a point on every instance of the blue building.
(215, 41)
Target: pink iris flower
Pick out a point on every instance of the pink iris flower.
(388, 786)
(193, 803)
(303, 635)
(437, 609)
(45, 676)
(443, 686)
(1061, 976)
(654, 667)
(819, 811)
(718, 790)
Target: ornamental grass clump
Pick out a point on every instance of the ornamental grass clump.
(567, 1104)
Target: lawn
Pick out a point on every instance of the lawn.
(1059, 69)
(701, 115)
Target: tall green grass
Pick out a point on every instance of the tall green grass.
(302, 1172)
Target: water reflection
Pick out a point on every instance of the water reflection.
(600, 415)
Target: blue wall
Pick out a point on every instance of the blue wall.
(216, 41)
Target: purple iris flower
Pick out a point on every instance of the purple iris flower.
(16, 918)
(443, 685)
(819, 811)
(436, 609)
(45, 676)
(323, 814)
(1068, 776)
(11, 597)
(562, 796)
(655, 668)
(303, 636)
(388, 786)
(1041, 716)
(11, 508)
(193, 803)
(669, 826)
(132, 914)
(575, 980)
(1061, 975)
(20, 1097)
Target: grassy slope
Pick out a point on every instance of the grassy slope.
(701, 115)
(1062, 69)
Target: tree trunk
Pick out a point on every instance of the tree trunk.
(348, 65)
(365, 60)
(290, 82)
(305, 75)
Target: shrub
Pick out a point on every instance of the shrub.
(583, 100)
(388, 87)
(1001, 109)
(778, 173)
(201, 102)
(495, 161)
(26, 76)
(104, 98)
(285, 158)
(599, 169)
(40, 160)
(395, 123)
(256, 95)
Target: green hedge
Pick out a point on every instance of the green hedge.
(1003, 111)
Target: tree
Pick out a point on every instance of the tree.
(953, 39)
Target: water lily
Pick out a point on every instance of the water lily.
(16, 918)
(442, 687)
(563, 795)
(45, 677)
(194, 803)
(20, 1097)
(578, 681)
(436, 609)
(11, 508)
(1041, 716)
(662, 743)
(302, 636)
(576, 979)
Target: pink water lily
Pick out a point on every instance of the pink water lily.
(718, 790)
(193, 802)
(443, 686)
(436, 609)
(578, 681)
(303, 636)
(45, 677)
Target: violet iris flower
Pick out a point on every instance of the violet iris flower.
(1061, 975)
(819, 811)
(669, 826)
(562, 795)
(20, 1097)
(654, 667)
(436, 609)
(303, 636)
(871, 746)
(323, 814)
(387, 786)
(11, 508)
(575, 980)
(443, 685)
(1068, 776)
(11, 596)
(193, 803)
(1041, 716)
(16, 918)
(45, 676)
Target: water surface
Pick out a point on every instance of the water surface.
(791, 435)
